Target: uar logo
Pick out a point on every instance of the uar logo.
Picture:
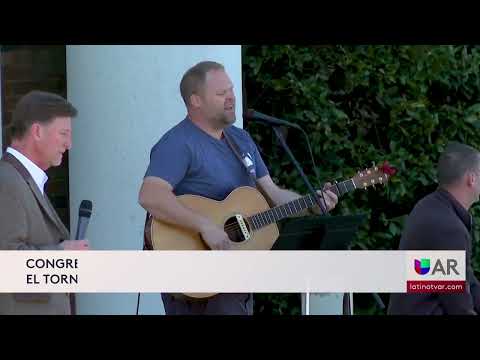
(422, 267)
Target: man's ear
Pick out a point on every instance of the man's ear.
(471, 178)
(36, 131)
(195, 100)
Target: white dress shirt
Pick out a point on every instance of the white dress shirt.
(37, 174)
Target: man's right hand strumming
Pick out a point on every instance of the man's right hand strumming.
(215, 238)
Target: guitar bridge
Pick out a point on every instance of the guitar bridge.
(243, 226)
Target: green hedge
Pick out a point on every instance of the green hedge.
(364, 104)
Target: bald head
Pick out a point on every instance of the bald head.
(194, 79)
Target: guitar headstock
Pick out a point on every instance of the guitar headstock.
(373, 176)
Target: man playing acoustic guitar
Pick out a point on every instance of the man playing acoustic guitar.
(196, 157)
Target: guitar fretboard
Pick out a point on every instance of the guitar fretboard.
(296, 206)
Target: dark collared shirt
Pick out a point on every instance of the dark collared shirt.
(439, 222)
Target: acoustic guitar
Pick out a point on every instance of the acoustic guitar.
(247, 218)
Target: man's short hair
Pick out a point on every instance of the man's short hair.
(194, 79)
(455, 161)
(41, 107)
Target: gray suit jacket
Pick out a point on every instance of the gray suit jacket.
(28, 221)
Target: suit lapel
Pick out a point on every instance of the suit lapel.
(60, 224)
(46, 205)
(42, 200)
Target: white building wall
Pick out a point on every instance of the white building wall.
(127, 97)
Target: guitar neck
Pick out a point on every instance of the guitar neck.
(295, 207)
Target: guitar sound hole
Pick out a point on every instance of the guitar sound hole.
(232, 228)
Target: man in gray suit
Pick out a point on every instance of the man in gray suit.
(41, 133)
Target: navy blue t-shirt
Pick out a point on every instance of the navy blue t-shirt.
(196, 163)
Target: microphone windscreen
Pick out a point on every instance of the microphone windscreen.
(250, 113)
(85, 209)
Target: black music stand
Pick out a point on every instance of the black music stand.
(320, 233)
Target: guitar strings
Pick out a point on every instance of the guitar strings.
(236, 227)
(232, 227)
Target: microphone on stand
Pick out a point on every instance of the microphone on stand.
(253, 115)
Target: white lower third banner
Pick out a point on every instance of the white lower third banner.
(232, 271)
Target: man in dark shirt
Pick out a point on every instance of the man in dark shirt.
(441, 221)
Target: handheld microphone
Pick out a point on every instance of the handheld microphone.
(266, 119)
(84, 213)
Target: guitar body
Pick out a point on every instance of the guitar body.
(245, 201)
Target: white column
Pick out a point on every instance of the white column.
(127, 97)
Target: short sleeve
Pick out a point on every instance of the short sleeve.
(170, 159)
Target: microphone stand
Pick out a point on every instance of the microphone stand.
(347, 309)
(299, 169)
